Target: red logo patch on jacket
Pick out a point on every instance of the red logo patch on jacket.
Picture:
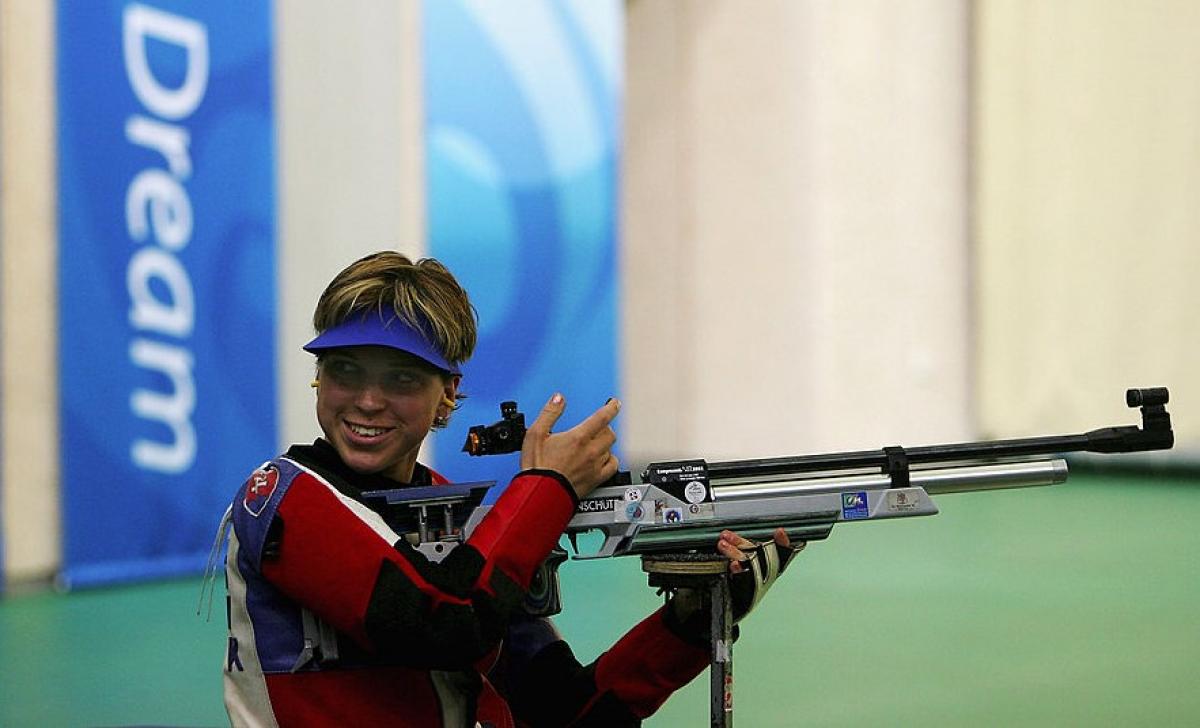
(259, 488)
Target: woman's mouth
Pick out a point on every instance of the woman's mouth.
(367, 432)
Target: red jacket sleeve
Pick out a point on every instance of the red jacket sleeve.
(524, 525)
(338, 558)
(648, 664)
(549, 686)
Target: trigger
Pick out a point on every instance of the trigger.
(574, 543)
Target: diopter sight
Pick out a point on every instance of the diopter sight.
(500, 437)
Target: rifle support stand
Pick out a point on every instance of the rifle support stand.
(705, 572)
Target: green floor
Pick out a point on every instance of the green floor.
(1070, 606)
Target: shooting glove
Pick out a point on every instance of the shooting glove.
(687, 613)
(759, 572)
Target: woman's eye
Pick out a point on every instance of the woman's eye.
(343, 371)
(401, 381)
(352, 375)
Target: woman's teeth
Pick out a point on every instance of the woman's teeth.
(367, 431)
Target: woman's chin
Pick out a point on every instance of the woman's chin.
(360, 459)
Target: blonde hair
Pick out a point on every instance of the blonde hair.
(424, 295)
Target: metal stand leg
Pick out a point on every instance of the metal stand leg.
(721, 667)
(704, 572)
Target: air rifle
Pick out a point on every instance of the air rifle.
(681, 506)
(673, 515)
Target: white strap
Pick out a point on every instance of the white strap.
(209, 583)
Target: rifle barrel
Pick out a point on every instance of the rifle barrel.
(877, 459)
(935, 481)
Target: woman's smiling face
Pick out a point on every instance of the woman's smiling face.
(376, 404)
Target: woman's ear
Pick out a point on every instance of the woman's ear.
(450, 391)
(449, 401)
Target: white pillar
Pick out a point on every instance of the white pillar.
(795, 263)
(351, 176)
(29, 475)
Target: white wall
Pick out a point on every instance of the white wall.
(1088, 226)
(795, 264)
(351, 176)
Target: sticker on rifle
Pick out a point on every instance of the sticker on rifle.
(695, 492)
(672, 515)
(854, 506)
(596, 505)
(634, 512)
(633, 494)
(902, 500)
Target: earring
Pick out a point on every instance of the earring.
(443, 420)
(315, 383)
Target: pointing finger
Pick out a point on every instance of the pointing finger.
(600, 419)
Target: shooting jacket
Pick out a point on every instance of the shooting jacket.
(336, 619)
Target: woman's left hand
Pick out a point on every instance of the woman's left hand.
(734, 547)
(754, 567)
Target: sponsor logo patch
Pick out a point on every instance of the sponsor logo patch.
(259, 489)
(854, 506)
(900, 500)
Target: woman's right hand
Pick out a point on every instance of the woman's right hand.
(582, 454)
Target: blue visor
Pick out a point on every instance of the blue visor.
(371, 330)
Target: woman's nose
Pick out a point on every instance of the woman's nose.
(370, 397)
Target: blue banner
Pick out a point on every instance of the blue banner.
(166, 277)
(522, 144)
